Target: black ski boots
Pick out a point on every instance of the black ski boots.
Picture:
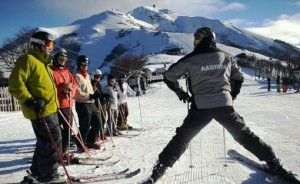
(276, 167)
(158, 170)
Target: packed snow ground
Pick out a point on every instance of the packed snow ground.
(272, 116)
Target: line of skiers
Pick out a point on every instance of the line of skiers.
(283, 83)
(46, 94)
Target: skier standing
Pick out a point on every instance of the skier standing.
(31, 83)
(112, 109)
(123, 90)
(100, 100)
(278, 84)
(269, 82)
(88, 114)
(66, 89)
(215, 81)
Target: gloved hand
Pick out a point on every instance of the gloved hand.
(37, 103)
(138, 93)
(95, 95)
(67, 87)
(183, 96)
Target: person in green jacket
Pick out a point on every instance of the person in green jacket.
(31, 82)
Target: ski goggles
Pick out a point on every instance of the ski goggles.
(47, 43)
(62, 57)
(85, 63)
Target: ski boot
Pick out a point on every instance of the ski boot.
(276, 168)
(158, 171)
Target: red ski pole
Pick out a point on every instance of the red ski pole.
(81, 143)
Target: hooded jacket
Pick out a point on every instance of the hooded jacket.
(32, 77)
(62, 76)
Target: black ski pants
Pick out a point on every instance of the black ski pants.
(45, 158)
(89, 121)
(229, 119)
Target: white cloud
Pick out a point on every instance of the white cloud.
(297, 3)
(285, 28)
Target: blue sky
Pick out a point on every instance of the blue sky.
(278, 19)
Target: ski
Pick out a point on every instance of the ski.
(106, 177)
(263, 167)
(85, 161)
(95, 162)
(96, 159)
(125, 135)
(23, 151)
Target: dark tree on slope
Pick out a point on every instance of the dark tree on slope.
(14, 47)
(3, 80)
(128, 63)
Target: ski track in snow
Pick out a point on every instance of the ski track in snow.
(272, 116)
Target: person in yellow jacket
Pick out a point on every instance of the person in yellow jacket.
(31, 82)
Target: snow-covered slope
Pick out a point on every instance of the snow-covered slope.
(273, 116)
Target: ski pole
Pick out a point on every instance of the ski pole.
(108, 126)
(69, 132)
(225, 149)
(111, 126)
(140, 111)
(101, 124)
(55, 146)
(81, 143)
(188, 108)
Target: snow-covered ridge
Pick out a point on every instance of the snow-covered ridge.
(146, 30)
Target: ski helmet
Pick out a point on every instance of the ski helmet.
(83, 60)
(204, 33)
(57, 52)
(123, 77)
(42, 38)
(97, 72)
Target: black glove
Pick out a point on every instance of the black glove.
(236, 86)
(183, 96)
(37, 103)
(95, 95)
(138, 93)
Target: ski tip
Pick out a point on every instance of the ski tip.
(133, 173)
(231, 151)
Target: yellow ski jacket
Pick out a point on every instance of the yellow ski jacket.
(32, 77)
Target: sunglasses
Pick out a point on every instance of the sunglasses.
(97, 76)
(112, 81)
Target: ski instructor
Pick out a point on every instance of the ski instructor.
(214, 81)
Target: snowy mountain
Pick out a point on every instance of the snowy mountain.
(147, 30)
